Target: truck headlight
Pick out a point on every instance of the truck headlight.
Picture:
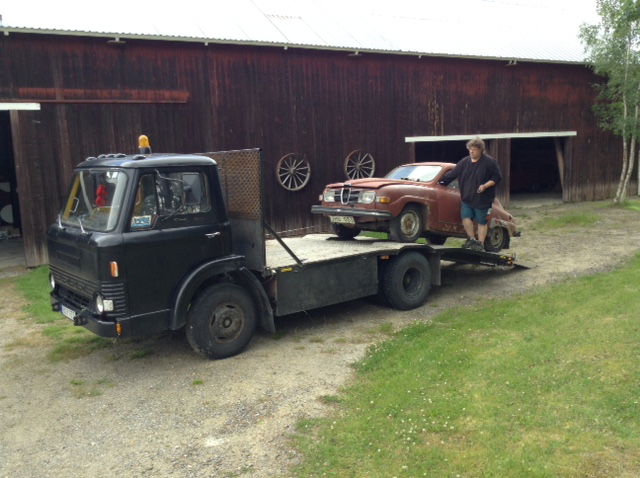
(329, 196)
(52, 281)
(367, 197)
(99, 304)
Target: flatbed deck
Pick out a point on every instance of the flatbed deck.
(317, 248)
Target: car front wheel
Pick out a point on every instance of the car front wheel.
(407, 226)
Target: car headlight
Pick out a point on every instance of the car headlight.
(99, 304)
(367, 197)
(52, 281)
(329, 196)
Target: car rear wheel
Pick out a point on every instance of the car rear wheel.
(344, 232)
(407, 226)
(497, 239)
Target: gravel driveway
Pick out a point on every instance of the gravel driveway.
(171, 413)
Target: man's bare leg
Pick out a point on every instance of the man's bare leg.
(468, 227)
(482, 232)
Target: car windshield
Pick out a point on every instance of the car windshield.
(415, 173)
(94, 201)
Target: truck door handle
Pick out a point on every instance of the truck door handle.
(213, 235)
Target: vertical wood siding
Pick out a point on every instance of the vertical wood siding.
(318, 103)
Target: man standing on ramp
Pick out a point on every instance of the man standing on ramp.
(477, 174)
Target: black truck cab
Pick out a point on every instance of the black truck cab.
(130, 228)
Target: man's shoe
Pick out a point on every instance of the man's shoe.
(476, 246)
(467, 244)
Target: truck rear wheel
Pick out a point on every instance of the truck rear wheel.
(406, 281)
(221, 321)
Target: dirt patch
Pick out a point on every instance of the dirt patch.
(170, 413)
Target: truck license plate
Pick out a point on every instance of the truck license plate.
(67, 312)
(342, 219)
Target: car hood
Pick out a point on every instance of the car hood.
(371, 183)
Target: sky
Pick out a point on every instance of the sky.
(492, 28)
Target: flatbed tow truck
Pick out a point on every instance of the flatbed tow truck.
(151, 242)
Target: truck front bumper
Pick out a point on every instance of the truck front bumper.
(130, 326)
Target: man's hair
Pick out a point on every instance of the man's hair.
(476, 143)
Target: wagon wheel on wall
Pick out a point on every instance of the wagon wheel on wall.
(293, 171)
(359, 164)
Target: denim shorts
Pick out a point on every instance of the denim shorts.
(477, 215)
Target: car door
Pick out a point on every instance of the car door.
(174, 227)
(448, 198)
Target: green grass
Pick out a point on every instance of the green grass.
(543, 385)
(34, 286)
(565, 221)
(631, 205)
(68, 342)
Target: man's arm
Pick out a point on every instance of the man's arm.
(451, 175)
(495, 177)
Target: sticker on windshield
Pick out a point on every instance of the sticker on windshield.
(140, 222)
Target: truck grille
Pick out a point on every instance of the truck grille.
(79, 293)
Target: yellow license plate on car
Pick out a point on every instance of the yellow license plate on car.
(342, 219)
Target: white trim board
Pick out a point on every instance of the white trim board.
(20, 106)
(463, 137)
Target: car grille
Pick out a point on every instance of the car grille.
(79, 293)
(346, 195)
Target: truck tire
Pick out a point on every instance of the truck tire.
(344, 232)
(497, 239)
(406, 281)
(221, 321)
(407, 226)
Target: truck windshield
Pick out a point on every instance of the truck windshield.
(95, 199)
(415, 173)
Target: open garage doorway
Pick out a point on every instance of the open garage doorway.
(11, 246)
(441, 151)
(535, 169)
(9, 208)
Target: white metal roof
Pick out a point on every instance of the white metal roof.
(534, 30)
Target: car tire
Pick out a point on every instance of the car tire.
(497, 239)
(406, 281)
(221, 321)
(344, 232)
(436, 239)
(407, 226)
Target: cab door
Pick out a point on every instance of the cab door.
(174, 226)
(448, 198)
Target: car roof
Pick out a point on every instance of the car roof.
(136, 161)
(430, 163)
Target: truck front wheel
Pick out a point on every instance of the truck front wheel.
(406, 281)
(221, 321)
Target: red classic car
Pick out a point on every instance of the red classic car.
(408, 203)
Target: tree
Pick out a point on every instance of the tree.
(613, 51)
